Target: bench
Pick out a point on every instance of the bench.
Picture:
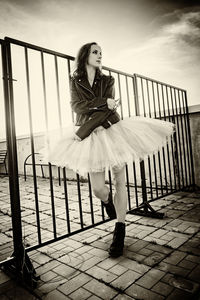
(3, 155)
(38, 162)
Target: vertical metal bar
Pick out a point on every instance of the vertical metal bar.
(91, 202)
(179, 138)
(141, 79)
(79, 199)
(159, 160)
(128, 99)
(12, 153)
(32, 146)
(52, 201)
(150, 178)
(58, 90)
(66, 200)
(183, 138)
(149, 160)
(143, 182)
(136, 97)
(159, 109)
(128, 188)
(155, 174)
(176, 144)
(187, 139)
(135, 181)
(120, 95)
(153, 97)
(59, 177)
(69, 72)
(167, 96)
(44, 91)
(154, 160)
(148, 97)
(164, 160)
(190, 140)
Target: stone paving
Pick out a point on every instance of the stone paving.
(161, 258)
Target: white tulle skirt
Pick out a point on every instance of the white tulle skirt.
(126, 141)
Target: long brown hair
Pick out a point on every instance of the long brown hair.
(81, 60)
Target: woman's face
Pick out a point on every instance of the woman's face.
(94, 58)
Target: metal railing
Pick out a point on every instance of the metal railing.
(160, 174)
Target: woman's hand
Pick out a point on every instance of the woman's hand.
(112, 103)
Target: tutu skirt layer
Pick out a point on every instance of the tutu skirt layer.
(126, 141)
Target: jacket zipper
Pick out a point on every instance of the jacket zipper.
(86, 88)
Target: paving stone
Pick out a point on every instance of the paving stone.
(51, 285)
(138, 292)
(195, 274)
(98, 252)
(162, 288)
(108, 263)
(126, 279)
(134, 265)
(123, 297)
(137, 246)
(47, 267)
(74, 283)
(179, 295)
(193, 258)
(177, 242)
(80, 294)
(173, 269)
(87, 264)
(65, 271)
(158, 248)
(100, 289)
(158, 233)
(150, 278)
(133, 256)
(118, 270)
(102, 274)
(93, 297)
(48, 276)
(55, 295)
(154, 258)
(175, 257)
(187, 264)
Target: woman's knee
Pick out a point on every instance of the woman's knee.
(119, 176)
(99, 191)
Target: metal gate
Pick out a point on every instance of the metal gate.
(161, 174)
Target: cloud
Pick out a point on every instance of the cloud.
(171, 55)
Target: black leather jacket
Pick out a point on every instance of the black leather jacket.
(89, 102)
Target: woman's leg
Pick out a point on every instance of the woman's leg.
(99, 188)
(120, 198)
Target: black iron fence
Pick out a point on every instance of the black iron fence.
(37, 80)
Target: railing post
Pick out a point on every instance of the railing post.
(190, 141)
(144, 209)
(20, 265)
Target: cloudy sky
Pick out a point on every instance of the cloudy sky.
(159, 39)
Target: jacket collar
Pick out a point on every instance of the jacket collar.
(83, 81)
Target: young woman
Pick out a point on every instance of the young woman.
(101, 141)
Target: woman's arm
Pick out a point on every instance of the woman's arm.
(86, 106)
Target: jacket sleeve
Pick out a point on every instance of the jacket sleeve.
(86, 106)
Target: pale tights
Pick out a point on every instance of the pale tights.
(101, 191)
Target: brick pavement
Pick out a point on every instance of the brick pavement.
(161, 259)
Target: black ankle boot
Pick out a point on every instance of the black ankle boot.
(110, 209)
(116, 248)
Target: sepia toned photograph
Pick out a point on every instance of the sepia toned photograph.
(100, 149)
